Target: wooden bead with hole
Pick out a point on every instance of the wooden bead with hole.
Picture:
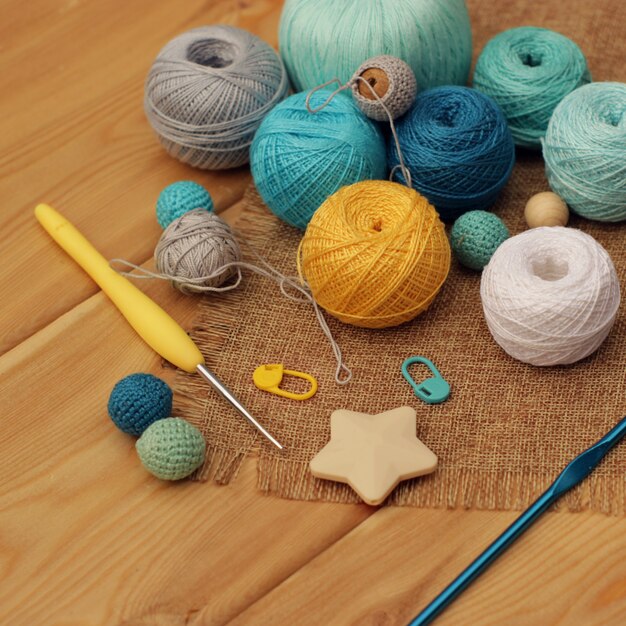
(379, 81)
(546, 209)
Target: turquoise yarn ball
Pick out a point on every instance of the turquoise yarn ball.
(298, 158)
(528, 71)
(585, 151)
(171, 448)
(325, 39)
(139, 400)
(180, 197)
(475, 236)
(457, 147)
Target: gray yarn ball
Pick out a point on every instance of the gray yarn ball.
(207, 92)
(193, 248)
(398, 94)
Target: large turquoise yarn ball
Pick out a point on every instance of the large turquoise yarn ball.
(179, 198)
(298, 158)
(325, 39)
(457, 147)
(528, 71)
(585, 151)
(137, 401)
(475, 236)
(171, 448)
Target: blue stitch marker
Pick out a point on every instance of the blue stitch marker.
(431, 390)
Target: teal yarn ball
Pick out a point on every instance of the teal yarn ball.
(457, 147)
(325, 39)
(475, 236)
(171, 448)
(139, 400)
(528, 71)
(298, 158)
(585, 151)
(179, 198)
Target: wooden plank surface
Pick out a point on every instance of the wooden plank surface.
(88, 537)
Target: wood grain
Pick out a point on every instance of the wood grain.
(86, 535)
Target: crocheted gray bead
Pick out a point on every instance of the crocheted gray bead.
(394, 82)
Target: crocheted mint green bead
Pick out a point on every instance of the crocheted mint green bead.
(180, 197)
(171, 448)
(475, 236)
(139, 400)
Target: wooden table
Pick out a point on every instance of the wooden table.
(86, 535)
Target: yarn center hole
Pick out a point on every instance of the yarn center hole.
(528, 58)
(377, 225)
(212, 53)
(550, 268)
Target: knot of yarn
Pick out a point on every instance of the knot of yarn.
(375, 254)
(390, 90)
(528, 71)
(197, 252)
(584, 151)
(171, 448)
(550, 295)
(457, 147)
(207, 92)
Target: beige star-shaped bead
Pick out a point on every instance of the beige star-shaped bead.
(373, 453)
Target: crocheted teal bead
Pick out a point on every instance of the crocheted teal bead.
(180, 197)
(475, 236)
(139, 400)
(171, 448)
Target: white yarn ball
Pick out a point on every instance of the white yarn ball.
(550, 295)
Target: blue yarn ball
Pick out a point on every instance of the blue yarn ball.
(139, 400)
(475, 236)
(528, 71)
(180, 197)
(298, 158)
(457, 147)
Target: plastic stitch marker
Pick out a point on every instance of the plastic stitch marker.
(431, 390)
(269, 377)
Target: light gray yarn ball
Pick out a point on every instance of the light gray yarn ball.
(207, 92)
(193, 248)
(398, 95)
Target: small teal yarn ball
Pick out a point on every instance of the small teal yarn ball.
(180, 197)
(457, 147)
(324, 39)
(475, 236)
(171, 448)
(585, 151)
(528, 71)
(139, 400)
(298, 159)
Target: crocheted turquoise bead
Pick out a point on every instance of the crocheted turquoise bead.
(180, 197)
(475, 236)
(171, 449)
(139, 400)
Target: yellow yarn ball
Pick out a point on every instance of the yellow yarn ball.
(375, 254)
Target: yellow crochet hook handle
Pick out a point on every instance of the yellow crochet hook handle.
(162, 333)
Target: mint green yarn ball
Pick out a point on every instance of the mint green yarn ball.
(475, 236)
(179, 198)
(171, 448)
(528, 71)
(585, 151)
(298, 159)
(324, 39)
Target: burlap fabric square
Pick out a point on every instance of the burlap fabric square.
(507, 429)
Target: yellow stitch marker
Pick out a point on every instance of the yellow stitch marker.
(269, 377)
(161, 332)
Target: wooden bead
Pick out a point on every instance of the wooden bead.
(546, 209)
(378, 79)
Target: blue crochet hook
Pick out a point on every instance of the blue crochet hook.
(574, 473)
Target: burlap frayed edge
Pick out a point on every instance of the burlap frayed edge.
(454, 488)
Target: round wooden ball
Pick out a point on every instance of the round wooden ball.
(546, 209)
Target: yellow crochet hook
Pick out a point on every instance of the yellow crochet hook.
(161, 332)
